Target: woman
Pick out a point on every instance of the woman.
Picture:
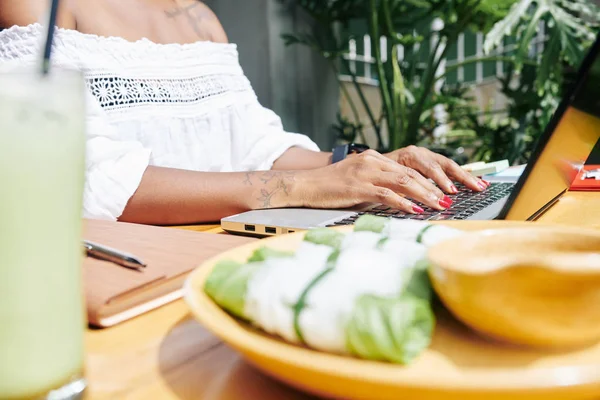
(176, 134)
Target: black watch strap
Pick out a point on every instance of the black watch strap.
(341, 152)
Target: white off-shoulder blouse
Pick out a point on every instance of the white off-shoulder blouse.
(169, 105)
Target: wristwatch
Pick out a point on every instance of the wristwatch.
(342, 151)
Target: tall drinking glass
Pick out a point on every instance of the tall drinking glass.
(42, 167)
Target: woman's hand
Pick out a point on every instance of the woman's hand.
(436, 167)
(367, 178)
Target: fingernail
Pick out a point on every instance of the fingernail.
(486, 182)
(417, 209)
(482, 185)
(453, 189)
(445, 204)
(448, 200)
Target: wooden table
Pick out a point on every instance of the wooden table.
(167, 355)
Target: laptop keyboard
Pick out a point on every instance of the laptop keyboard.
(466, 203)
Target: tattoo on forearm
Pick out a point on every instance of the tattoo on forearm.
(248, 179)
(274, 182)
(193, 14)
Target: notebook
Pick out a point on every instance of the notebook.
(588, 179)
(115, 294)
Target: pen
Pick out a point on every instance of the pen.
(101, 252)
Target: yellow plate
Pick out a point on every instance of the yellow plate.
(459, 365)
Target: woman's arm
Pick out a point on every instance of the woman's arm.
(169, 196)
(297, 158)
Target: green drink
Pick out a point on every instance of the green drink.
(42, 167)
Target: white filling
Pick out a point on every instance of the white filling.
(410, 230)
(274, 290)
(330, 303)
(405, 230)
(313, 253)
(405, 252)
(439, 233)
(362, 239)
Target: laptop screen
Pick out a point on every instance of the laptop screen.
(567, 143)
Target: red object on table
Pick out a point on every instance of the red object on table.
(590, 184)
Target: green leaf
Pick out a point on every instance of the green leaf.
(265, 253)
(530, 32)
(399, 93)
(569, 32)
(548, 65)
(390, 329)
(370, 223)
(301, 303)
(506, 26)
(325, 236)
(419, 284)
(227, 285)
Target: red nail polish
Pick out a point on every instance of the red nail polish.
(486, 182)
(447, 199)
(418, 209)
(445, 204)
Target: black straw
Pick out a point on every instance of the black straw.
(50, 36)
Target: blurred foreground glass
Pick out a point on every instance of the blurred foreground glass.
(42, 167)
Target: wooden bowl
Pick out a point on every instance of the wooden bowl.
(527, 286)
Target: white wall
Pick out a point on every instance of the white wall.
(295, 82)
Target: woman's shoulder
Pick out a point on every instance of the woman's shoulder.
(20, 30)
(94, 52)
(24, 13)
(90, 52)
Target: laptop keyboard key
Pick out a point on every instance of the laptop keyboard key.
(344, 222)
(440, 217)
(381, 208)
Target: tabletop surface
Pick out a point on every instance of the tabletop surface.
(165, 354)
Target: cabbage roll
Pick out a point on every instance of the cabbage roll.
(354, 300)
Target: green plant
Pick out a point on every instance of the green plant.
(406, 89)
(534, 92)
(410, 89)
(570, 23)
(457, 16)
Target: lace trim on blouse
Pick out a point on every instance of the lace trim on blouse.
(114, 92)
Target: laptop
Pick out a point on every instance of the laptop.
(558, 156)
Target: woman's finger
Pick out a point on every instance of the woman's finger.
(420, 179)
(427, 163)
(407, 183)
(460, 175)
(433, 170)
(383, 172)
(385, 195)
